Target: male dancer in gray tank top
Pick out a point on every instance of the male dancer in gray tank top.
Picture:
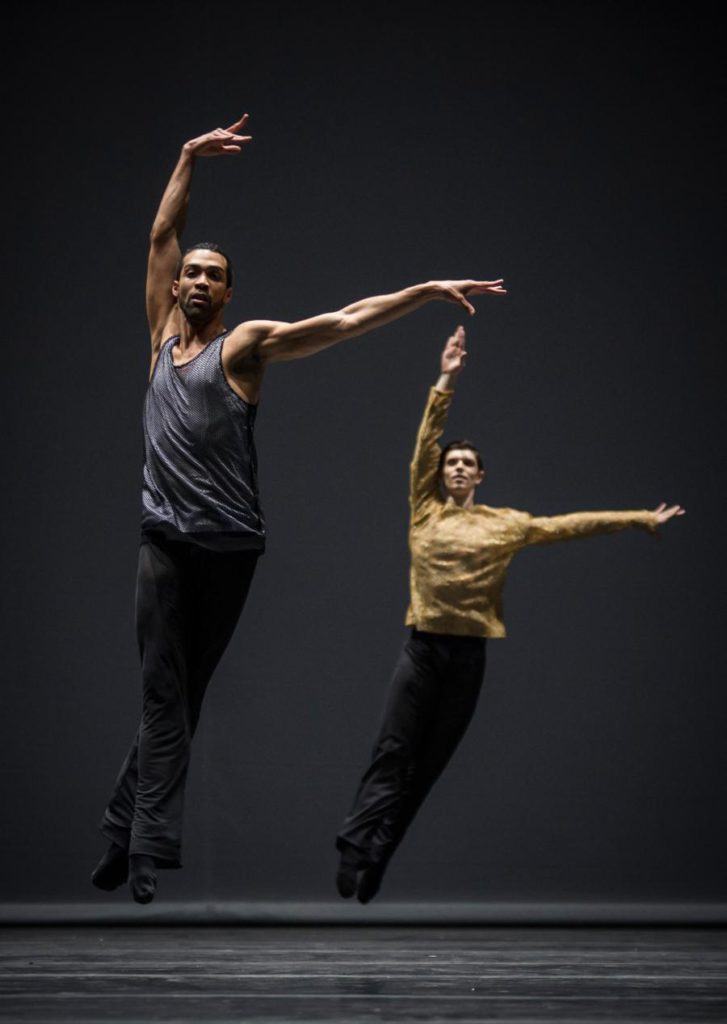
(202, 524)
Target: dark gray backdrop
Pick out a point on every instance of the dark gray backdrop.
(574, 149)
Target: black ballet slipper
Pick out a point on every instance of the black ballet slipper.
(350, 866)
(142, 878)
(370, 882)
(112, 870)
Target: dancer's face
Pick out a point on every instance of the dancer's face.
(461, 474)
(202, 289)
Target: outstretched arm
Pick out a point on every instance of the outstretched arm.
(166, 232)
(270, 341)
(548, 529)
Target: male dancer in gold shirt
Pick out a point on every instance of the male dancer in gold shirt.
(459, 558)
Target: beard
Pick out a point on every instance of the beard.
(200, 313)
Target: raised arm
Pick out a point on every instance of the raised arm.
(424, 468)
(268, 341)
(166, 232)
(452, 361)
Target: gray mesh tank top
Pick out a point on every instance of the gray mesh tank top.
(200, 466)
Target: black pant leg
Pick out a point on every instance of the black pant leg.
(143, 806)
(222, 583)
(431, 701)
(188, 602)
(458, 696)
(410, 701)
(118, 816)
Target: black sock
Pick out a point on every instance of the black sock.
(142, 877)
(112, 870)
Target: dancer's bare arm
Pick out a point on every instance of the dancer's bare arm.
(267, 341)
(166, 232)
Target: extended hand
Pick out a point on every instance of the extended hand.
(219, 141)
(454, 355)
(663, 513)
(455, 291)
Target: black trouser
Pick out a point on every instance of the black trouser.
(431, 700)
(188, 601)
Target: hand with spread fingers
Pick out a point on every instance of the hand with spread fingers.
(454, 354)
(663, 514)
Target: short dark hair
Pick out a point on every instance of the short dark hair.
(467, 445)
(212, 247)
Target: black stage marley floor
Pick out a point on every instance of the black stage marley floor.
(362, 974)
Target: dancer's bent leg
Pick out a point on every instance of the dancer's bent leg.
(367, 832)
(458, 696)
(146, 802)
(431, 702)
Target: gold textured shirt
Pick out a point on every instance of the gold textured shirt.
(459, 557)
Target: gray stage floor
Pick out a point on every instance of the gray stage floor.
(364, 974)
